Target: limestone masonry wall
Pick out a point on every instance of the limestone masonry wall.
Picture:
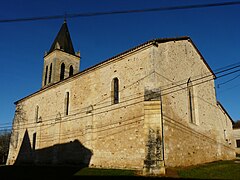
(236, 134)
(152, 91)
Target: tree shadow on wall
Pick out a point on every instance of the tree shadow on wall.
(57, 160)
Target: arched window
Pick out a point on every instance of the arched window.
(50, 74)
(36, 113)
(46, 72)
(115, 91)
(191, 101)
(67, 103)
(71, 70)
(62, 71)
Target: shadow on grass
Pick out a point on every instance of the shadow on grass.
(37, 172)
(27, 172)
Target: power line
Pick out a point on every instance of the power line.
(1, 124)
(90, 14)
(173, 90)
(227, 89)
(84, 109)
(237, 64)
(200, 82)
(79, 133)
(199, 77)
(105, 127)
(228, 80)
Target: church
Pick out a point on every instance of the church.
(150, 107)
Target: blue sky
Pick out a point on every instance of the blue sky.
(215, 31)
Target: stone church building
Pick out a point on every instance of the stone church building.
(150, 107)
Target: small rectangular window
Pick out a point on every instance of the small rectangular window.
(67, 103)
(238, 143)
(191, 102)
(50, 74)
(115, 91)
(46, 72)
(36, 114)
(225, 134)
(62, 73)
(34, 141)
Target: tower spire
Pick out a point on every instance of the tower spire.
(63, 62)
(63, 40)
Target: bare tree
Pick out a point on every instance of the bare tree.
(4, 145)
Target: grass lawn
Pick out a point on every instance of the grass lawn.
(214, 170)
(104, 172)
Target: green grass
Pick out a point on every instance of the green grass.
(214, 170)
(104, 172)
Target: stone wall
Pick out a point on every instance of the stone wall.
(56, 58)
(152, 91)
(236, 134)
(188, 143)
(114, 133)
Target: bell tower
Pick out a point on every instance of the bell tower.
(61, 61)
